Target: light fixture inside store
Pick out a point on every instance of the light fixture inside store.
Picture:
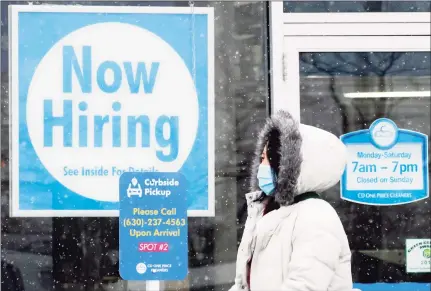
(395, 94)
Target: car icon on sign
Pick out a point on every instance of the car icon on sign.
(134, 189)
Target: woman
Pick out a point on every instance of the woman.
(293, 240)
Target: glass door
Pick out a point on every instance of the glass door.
(342, 83)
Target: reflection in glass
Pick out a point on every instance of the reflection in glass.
(344, 92)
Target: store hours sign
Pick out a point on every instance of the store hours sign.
(99, 91)
(386, 165)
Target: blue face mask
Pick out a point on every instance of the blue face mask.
(266, 176)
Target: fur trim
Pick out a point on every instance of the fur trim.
(290, 152)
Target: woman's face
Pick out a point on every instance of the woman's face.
(264, 157)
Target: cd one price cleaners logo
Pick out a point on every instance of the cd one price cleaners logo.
(109, 98)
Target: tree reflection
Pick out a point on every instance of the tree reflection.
(366, 72)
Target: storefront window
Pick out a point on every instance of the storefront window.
(355, 6)
(42, 254)
(377, 234)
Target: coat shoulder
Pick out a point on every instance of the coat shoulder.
(318, 214)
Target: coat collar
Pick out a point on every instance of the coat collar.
(269, 224)
(305, 196)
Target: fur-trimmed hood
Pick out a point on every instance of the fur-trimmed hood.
(311, 159)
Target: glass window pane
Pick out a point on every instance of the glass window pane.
(376, 234)
(82, 253)
(355, 6)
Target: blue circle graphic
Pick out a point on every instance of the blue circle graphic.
(383, 133)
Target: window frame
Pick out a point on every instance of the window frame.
(292, 33)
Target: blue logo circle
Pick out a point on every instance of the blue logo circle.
(383, 133)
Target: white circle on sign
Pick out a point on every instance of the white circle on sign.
(120, 127)
(141, 268)
(384, 133)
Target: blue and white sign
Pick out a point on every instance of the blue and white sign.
(153, 226)
(386, 165)
(99, 91)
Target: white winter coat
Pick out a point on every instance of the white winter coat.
(301, 246)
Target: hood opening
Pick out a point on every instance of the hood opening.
(283, 132)
(273, 146)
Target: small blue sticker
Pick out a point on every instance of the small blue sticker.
(386, 165)
(153, 226)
